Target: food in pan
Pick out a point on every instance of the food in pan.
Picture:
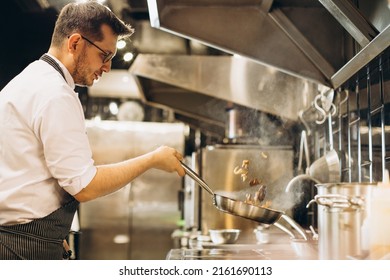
(256, 191)
(254, 182)
(258, 196)
(243, 171)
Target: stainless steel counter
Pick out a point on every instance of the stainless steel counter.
(281, 248)
(246, 249)
(240, 252)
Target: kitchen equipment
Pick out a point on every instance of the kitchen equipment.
(342, 219)
(217, 164)
(234, 127)
(326, 169)
(191, 197)
(303, 148)
(236, 207)
(305, 184)
(321, 112)
(240, 208)
(224, 236)
(262, 235)
(379, 222)
(266, 234)
(297, 180)
(307, 249)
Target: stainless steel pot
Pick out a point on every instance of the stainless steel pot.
(342, 220)
(241, 208)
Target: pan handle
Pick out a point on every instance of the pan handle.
(296, 226)
(283, 228)
(196, 177)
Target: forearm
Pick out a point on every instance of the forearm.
(112, 177)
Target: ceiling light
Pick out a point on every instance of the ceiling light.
(128, 56)
(121, 44)
(113, 107)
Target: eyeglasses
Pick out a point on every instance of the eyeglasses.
(107, 55)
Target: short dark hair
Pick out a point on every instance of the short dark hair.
(87, 19)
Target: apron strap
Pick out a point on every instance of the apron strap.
(53, 63)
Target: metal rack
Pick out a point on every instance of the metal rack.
(361, 128)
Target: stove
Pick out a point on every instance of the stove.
(276, 251)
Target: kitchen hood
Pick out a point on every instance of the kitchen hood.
(203, 87)
(285, 52)
(275, 33)
(312, 39)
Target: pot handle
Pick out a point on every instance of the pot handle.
(196, 177)
(338, 201)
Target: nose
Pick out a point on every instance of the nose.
(106, 67)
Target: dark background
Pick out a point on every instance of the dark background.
(25, 37)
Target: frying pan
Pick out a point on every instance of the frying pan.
(245, 210)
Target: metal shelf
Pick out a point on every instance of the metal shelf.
(367, 54)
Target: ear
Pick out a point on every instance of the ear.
(74, 42)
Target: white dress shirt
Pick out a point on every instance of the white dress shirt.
(44, 150)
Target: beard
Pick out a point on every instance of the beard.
(80, 74)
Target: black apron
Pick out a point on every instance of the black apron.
(40, 239)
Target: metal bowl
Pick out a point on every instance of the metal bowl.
(224, 236)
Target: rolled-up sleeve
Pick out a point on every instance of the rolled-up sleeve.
(60, 125)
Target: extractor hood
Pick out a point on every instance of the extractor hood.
(203, 87)
(298, 37)
(313, 39)
(288, 50)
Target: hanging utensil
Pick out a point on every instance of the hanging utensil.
(320, 110)
(327, 168)
(303, 149)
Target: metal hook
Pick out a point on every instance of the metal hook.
(307, 127)
(345, 98)
(327, 99)
(319, 108)
(333, 110)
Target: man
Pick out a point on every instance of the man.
(46, 166)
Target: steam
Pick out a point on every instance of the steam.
(298, 196)
(267, 130)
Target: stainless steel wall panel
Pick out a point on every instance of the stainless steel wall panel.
(137, 221)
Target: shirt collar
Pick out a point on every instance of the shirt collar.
(68, 76)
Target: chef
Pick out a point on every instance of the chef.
(46, 166)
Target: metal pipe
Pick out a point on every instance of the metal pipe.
(369, 122)
(383, 139)
(359, 144)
